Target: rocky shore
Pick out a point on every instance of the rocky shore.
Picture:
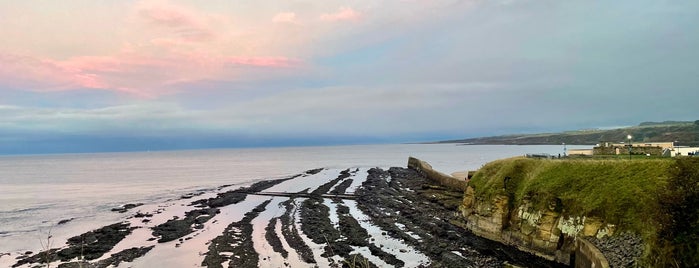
(622, 250)
(322, 218)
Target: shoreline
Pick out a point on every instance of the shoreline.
(393, 221)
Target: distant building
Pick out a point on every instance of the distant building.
(645, 148)
(685, 151)
(541, 155)
(580, 151)
(668, 149)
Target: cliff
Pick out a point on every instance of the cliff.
(552, 208)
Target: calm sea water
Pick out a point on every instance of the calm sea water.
(37, 191)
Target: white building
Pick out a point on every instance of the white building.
(682, 150)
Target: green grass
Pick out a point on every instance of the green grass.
(623, 192)
(657, 198)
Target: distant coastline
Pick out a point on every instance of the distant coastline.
(685, 133)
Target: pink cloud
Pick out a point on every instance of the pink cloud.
(139, 75)
(107, 64)
(34, 73)
(285, 17)
(345, 13)
(170, 45)
(188, 24)
(168, 16)
(277, 62)
(88, 81)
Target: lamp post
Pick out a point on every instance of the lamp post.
(629, 138)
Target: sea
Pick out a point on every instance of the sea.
(39, 191)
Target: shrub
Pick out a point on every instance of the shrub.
(679, 215)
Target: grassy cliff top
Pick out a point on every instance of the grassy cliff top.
(656, 198)
(623, 192)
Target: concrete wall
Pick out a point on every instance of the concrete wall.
(443, 179)
(579, 151)
(588, 256)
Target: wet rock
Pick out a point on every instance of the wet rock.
(87, 246)
(126, 207)
(315, 223)
(94, 244)
(385, 256)
(236, 238)
(350, 228)
(191, 195)
(227, 198)
(176, 228)
(426, 212)
(342, 187)
(238, 195)
(61, 222)
(127, 255)
(115, 259)
(324, 188)
(38, 258)
(291, 234)
(314, 171)
(343, 210)
(273, 239)
(143, 215)
(208, 208)
(622, 250)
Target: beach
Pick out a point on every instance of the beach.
(320, 218)
(63, 196)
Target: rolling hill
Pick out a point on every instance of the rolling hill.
(684, 133)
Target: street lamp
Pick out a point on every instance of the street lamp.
(629, 138)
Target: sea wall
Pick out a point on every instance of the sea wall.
(587, 255)
(443, 179)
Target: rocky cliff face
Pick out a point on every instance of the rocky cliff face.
(547, 232)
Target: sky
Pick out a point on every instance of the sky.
(131, 75)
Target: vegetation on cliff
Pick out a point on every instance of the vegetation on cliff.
(656, 198)
(678, 239)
